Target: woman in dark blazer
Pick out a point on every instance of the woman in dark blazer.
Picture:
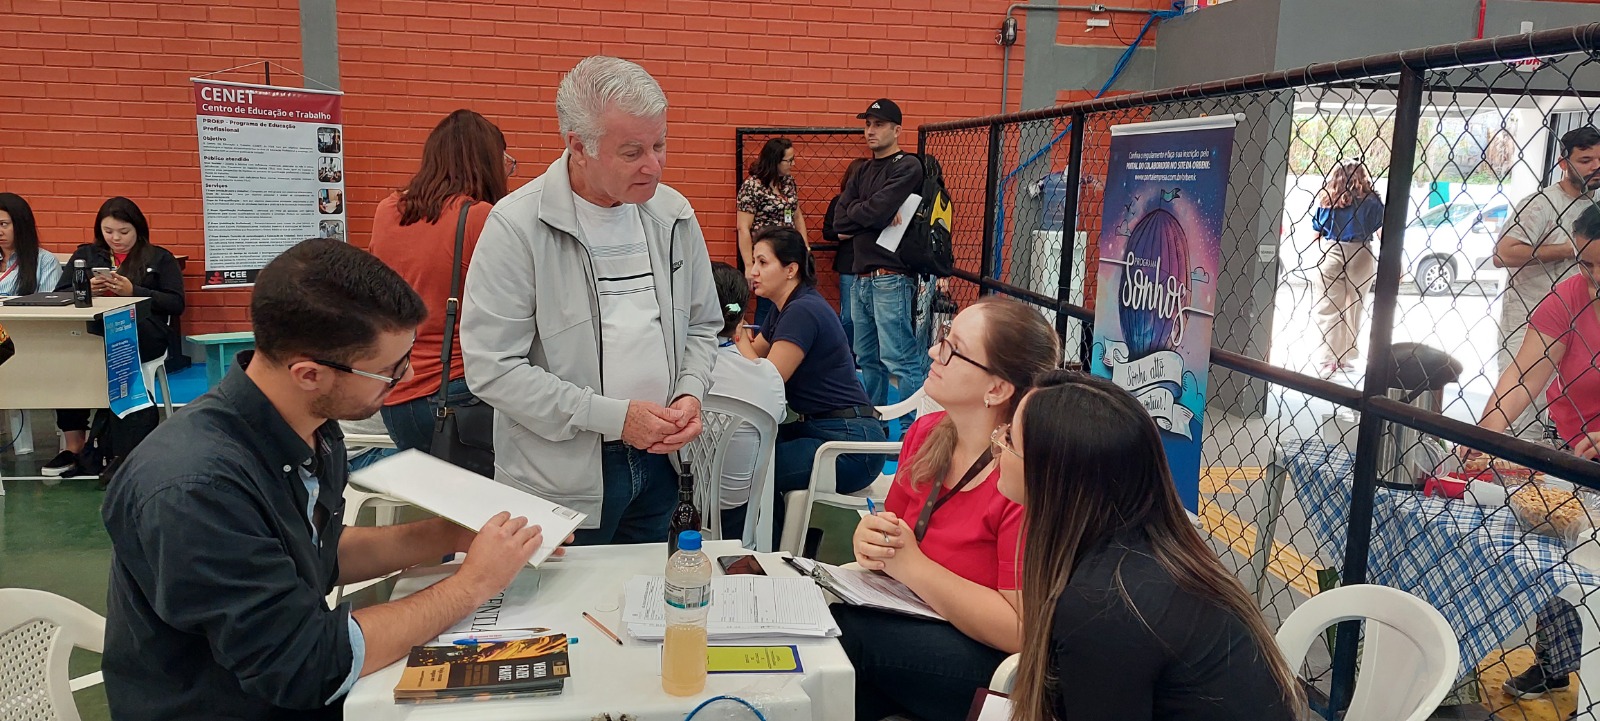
(121, 242)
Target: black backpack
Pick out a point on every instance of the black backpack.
(926, 247)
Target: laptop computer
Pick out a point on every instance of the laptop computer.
(41, 300)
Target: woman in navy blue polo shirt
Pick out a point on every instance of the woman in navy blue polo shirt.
(805, 341)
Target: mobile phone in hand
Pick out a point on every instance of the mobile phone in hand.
(740, 566)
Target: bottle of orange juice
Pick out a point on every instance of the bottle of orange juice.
(688, 597)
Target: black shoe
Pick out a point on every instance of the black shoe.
(64, 465)
(1533, 683)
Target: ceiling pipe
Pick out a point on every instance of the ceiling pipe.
(1007, 36)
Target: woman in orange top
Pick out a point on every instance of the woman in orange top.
(463, 161)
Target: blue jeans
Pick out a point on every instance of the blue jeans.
(904, 665)
(796, 454)
(640, 490)
(373, 455)
(886, 339)
(847, 291)
(410, 424)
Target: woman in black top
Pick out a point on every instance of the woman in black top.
(121, 242)
(1127, 615)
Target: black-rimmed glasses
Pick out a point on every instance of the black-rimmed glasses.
(389, 381)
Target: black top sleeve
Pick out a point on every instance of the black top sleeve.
(875, 210)
(1102, 659)
(217, 569)
(86, 253)
(828, 232)
(1129, 644)
(163, 284)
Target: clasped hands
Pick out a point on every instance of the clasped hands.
(883, 542)
(662, 429)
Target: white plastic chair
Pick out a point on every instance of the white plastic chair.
(824, 481)
(705, 455)
(156, 372)
(1410, 656)
(1005, 676)
(385, 512)
(38, 630)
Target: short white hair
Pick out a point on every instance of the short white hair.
(600, 82)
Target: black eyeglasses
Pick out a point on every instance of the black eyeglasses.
(944, 350)
(390, 381)
(511, 164)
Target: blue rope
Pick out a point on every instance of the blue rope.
(735, 699)
(1116, 71)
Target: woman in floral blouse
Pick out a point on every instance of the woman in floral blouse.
(769, 197)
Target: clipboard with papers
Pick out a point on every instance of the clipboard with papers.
(866, 589)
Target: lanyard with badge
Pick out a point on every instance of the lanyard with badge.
(935, 500)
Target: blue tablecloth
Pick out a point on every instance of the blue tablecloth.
(1476, 565)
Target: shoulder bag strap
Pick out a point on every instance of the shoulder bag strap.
(452, 307)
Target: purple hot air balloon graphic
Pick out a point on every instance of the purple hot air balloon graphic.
(1155, 284)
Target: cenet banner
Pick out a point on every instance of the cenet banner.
(271, 173)
(1160, 240)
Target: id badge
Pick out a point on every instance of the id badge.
(788, 218)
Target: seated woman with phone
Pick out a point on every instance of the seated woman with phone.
(945, 531)
(125, 264)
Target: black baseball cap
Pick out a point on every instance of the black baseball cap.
(882, 109)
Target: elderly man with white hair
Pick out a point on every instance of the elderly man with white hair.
(590, 317)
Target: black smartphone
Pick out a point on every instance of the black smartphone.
(740, 565)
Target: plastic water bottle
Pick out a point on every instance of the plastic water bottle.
(688, 597)
(82, 293)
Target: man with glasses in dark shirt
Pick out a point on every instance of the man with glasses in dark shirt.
(227, 522)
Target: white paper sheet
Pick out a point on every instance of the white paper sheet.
(995, 708)
(741, 607)
(889, 238)
(512, 611)
(466, 497)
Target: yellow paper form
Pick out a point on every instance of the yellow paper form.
(753, 659)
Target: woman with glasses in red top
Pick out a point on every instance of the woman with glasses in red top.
(946, 532)
(464, 163)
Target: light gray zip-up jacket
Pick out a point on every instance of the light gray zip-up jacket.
(530, 333)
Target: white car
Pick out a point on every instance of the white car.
(1454, 243)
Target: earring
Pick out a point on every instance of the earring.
(987, 403)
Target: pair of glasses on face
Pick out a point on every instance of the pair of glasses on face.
(944, 351)
(396, 374)
(511, 164)
(1001, 439)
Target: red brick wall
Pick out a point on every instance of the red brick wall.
(97, 101)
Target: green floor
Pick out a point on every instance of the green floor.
(51, 538)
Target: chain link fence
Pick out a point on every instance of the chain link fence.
(821, 156)
(1365, 331)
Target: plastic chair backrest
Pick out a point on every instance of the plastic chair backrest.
(1410, 656)
(1005, 676)
(919, 403)
(38, 630)
(722, 415)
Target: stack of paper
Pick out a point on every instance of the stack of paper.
(741, 607)
(866, 589)
(466, 497)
